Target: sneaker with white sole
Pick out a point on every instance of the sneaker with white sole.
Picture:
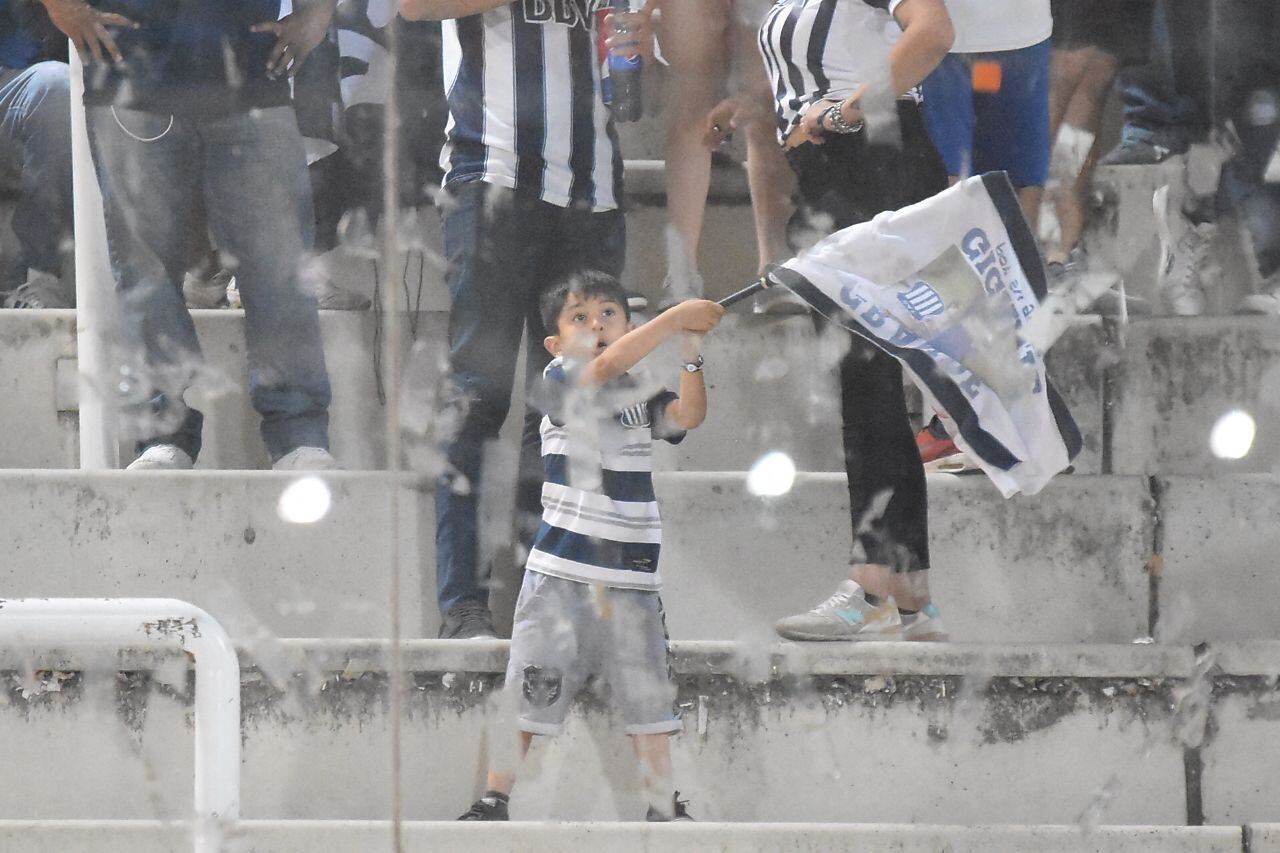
(306, 459)
(332, 297)
(41, 290)
(1184, 253)
(846, 615)
(778, 302)
(162, 457)
(211, 292)
(924, 626)
(1261, 303)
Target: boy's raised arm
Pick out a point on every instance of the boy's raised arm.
(690, 410)
(440, 10)
(697, 315)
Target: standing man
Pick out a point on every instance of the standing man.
(534, 181)
(189, 103)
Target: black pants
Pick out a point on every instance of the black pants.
(842, 182)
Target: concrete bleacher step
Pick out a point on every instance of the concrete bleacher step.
(1090, 559)
(1146, 395)
(345, 836)
(871, 733)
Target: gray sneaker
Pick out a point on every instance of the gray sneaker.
(41, 290)
(211, 292)
(846, 615)
(468, 620)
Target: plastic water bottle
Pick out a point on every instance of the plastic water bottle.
(622, 85)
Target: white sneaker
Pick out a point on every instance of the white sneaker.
(306, 459)
(41, 290)
(162, 457)
(677, 288)
(778, 302)
(846, 615)
(334, 298)
(1261, 303)
(1184, 250)
(200, 292)
(924, 626)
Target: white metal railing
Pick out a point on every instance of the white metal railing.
(156, 623)
(95, 296)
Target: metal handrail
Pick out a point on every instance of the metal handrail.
(156, 623)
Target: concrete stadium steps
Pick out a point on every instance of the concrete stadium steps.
(1091, 559)
(346, 836)
(1145, 395)
(869, 733)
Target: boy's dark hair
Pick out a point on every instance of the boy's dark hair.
(584, 285)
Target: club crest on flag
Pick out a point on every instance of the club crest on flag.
(922, 301)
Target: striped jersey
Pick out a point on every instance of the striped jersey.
(525, 104)
(600, 520)
(816, 49)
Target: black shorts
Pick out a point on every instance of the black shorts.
(1121, 28)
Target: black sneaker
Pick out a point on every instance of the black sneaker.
(492, 806)
(467, 620)
(1134, 152)
(679, 811)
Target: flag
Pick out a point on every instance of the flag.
(946, 286)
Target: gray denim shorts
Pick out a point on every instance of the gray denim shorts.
(567, 632)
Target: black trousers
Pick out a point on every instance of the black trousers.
(844, 181)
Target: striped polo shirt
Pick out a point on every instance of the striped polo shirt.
(600, 520)
(815, 49)
(525, 107)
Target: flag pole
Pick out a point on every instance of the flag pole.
(764, 282)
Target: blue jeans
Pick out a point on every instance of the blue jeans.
(504, 248)
(35, 136)
(249, 172)
(1165, 100)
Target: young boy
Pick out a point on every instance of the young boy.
(589, 605)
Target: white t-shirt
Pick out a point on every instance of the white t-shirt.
(983, 26)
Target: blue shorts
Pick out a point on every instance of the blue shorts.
(1006, 130)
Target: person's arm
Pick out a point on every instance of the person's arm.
(297, 34)
(696, 315)
(441, 10)
(87, 28)
(690, 410)
(927, 35)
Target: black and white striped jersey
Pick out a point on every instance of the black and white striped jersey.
(816, 49)
(525, 109)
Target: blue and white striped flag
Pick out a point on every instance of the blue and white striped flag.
(947, 286)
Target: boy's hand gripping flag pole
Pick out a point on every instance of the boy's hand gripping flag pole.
(948, 287)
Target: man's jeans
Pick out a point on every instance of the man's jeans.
(35, 139)
(504, 249)
(249, 172)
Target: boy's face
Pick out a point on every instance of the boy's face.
(586, 326)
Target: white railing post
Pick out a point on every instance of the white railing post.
(33, 624)
(95, 295)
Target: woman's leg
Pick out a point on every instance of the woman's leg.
(694, 40)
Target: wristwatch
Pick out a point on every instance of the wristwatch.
(694, 366)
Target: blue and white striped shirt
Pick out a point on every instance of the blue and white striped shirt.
(525, 108)
(600, 521)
